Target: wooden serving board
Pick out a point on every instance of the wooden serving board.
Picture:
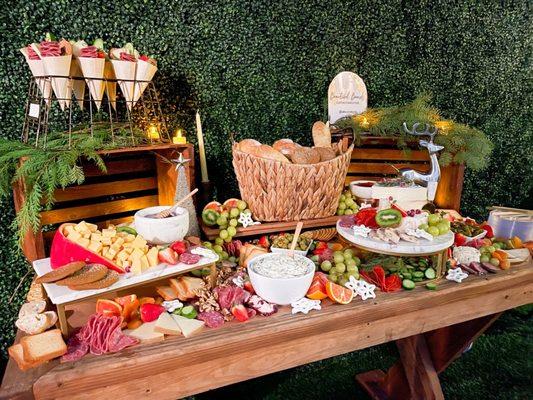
(272, 227)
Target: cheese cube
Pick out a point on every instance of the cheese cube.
(69, 229)
(91, 227)
(139, 242)
(95, 246)
(106, 241)
(129, 238)
(82, 227)
(128, 250)
(83, 242)
(120, 241)
(152, 256)
(145, 249)
(136, 267)
(105, 249)
(74, 236)
(109, 233)
(122, 255)
(137, 254)
(112, 252)
(144, 263)
(96, 237)
(119, 263)
(86, 235)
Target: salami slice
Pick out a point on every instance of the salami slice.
(189, 259)
(212, 319)
(347, 221)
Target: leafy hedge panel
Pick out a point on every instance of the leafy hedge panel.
(261, 69)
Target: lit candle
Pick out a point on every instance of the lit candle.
(153, 132)
(201, 148)
(179, 138)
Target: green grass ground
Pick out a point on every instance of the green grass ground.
(499, 366)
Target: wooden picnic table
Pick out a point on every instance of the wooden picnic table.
(431, 329)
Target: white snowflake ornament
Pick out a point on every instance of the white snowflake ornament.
(361, 288)
(245, 219)
(304, 305)
(172, 305)
(456, 274)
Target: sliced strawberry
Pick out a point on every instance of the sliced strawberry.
(264, 242)
(248, 287)
(151, 312)
(144, 57)
(401, 210)
(490, 231)
(179, 247)
(240, 312)
(168, 256)
(460, 239)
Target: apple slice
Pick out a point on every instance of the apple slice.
(65, 251)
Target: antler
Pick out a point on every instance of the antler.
(427, 131)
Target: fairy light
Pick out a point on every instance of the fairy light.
(178, 137)
(153, 132)
(443, 126)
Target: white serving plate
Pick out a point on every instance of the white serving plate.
(62, 294)
(423, 247)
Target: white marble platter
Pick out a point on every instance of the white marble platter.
(62, 294)
(422, 247)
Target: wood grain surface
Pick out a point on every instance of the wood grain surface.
(239, 351)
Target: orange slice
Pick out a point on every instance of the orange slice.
(338, 293)
(317, 291)
(335, 246)
(126, 299)
(108, 308)
(144, 300)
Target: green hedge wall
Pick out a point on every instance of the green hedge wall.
(262, 68)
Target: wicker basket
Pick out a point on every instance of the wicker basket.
(278, 191)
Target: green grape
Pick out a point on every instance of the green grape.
(342, 281)
(228, 239)
(338, 258)
(350, 262)
(234, 212)
(342, 205)
(224, 255)
(232, 231)
(232, 259)
(433, 230)
(433, 219)
(315, 258)
(357, 261)
(485, 258)
(333, 278)
(424, 227)
(222, 220)
(340, 267)
(218, 248)
(348, 211)
(351, 268)
(491, 249)
(443, 228)
(219, 241)
(340, 212)
(325, 266)
(348, 253)
(233, 222)
(241, 205)
(342, 198)
(207, 245)
(349, 202)
(494, 261)
(224, 214)
(223, 234)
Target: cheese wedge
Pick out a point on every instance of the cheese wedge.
(166, 324)
(146, 333)
(188, 326)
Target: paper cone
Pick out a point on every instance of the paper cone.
(60, 66)
(110, 86)
(78, 86)
(37, 69)
(125, 70)
(93, 71)
(145, 72)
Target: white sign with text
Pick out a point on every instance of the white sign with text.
(346, 96)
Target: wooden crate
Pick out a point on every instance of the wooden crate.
(136, 178)
(376, 158)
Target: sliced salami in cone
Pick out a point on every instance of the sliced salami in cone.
(143, 76)
(78, 85)
(93, 72)
(58, 68)
(125, 74)
(110, 86)
(37, 70)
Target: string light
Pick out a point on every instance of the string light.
(153, 132)
(178, 137)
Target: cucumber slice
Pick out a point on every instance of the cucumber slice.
(418, 279)
(407, 275)
(189, 312)
(127, 229)
(431, 286)
(430, 273)
(418, 274)
(408, 284)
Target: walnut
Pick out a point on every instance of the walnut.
(206, 300)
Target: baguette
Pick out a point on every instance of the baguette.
(33, 307)
(44, 346)
(33, 324)
(268, 152)
(321, 134)
(17, 353)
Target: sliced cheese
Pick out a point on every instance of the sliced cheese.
(137, 253)
(146, 333)
(188, 326)
(152, 256)
(136, 267)
(139, 242)
(144, 263)
(166, 324)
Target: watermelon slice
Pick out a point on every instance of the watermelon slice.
(65, 251)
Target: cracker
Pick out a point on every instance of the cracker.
(89, 273)
(60, 273)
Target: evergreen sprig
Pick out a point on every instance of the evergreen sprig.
(462, 144)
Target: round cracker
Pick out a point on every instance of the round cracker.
(61, 272)
(89, 273)
(106, 281)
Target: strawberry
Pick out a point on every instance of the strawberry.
(460, 239)
(144, 57)
(179, 247)
(264, 242)
(151, 312)
(490, 231)
(240, 312)
(401, 210)
(248, 287)
(168, 256)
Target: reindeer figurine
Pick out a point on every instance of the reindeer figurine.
(431, 179)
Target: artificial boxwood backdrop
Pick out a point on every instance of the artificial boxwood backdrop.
(262, 69)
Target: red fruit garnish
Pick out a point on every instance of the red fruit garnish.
(144, 57)
(401, 210)
(490, 231)
(151, 312)
(126, 299)
(264, 242)
(392, 283)
(179, 247)
(460, 239)
(168, 256)
(248, 287)
(240, 312)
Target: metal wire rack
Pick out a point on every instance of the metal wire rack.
(46, 113)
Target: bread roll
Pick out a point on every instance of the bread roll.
(305, 155)
(285, 147)
(247, 145)
(326, 153)
(321, 134)
(265, 151)
(31, 308)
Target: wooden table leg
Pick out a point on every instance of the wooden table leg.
(61, 316)
(422, 358)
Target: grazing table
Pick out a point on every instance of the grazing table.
(431, 329)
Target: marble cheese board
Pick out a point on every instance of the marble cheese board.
(422, 247)
(63, 295)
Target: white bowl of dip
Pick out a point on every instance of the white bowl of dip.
(163, 230)
(276, 279)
